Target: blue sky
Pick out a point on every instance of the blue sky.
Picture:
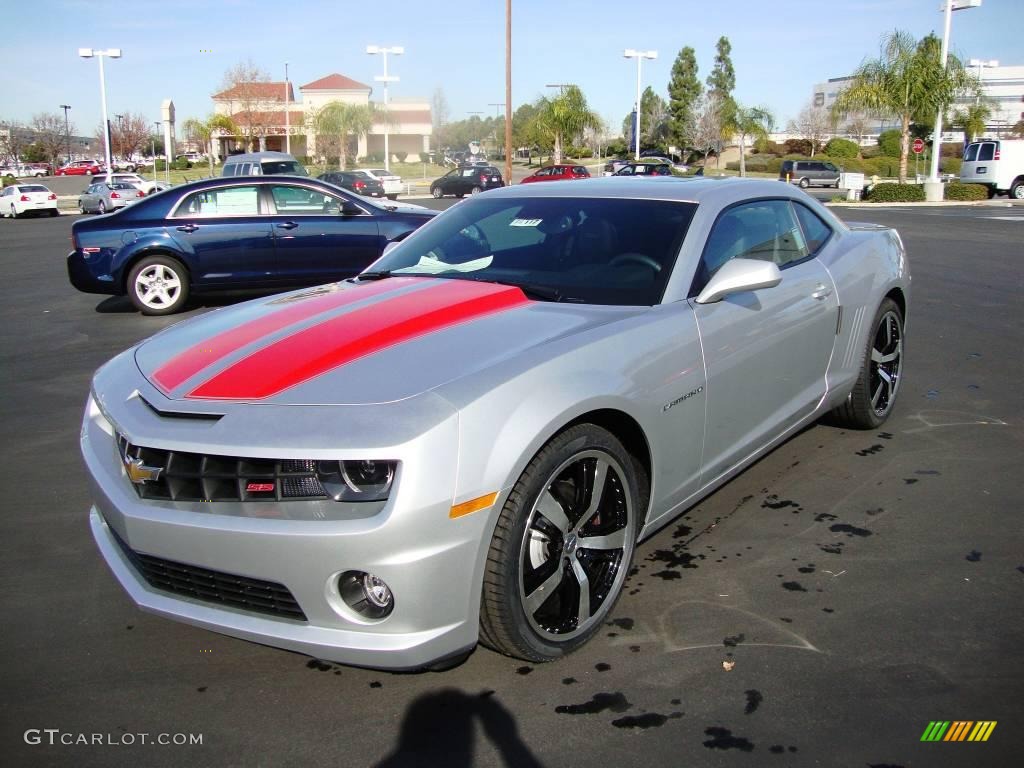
(780, 49)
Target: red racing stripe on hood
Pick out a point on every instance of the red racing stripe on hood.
(311, 352)
(184, 366)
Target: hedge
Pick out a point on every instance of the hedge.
(895, 193)
(844, 148)
(957, 191)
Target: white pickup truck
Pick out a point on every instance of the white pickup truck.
(996, 163)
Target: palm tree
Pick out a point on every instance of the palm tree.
(206, 130)
(335, 123)
(973, 120)
(907, 82)
(565, 117)
(755, 122)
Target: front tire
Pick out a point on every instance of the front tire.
(872, 398)
(562, 546)
(158, 285)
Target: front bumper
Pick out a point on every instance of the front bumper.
(432, 564)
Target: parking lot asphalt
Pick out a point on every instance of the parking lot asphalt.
(857, 585)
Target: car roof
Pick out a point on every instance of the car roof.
(723, 190)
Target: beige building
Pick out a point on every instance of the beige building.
(259, 111)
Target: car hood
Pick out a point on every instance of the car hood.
(357, 343)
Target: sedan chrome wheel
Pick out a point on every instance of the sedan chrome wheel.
(886, 359)
(575, 545)
(158, 285)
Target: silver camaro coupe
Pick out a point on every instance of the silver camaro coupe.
(466, 442)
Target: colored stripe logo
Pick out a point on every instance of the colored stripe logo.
(312, 351)
(958, 730)
(179, 369)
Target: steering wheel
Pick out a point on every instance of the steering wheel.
(635, 258)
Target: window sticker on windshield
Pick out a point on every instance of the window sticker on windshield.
(525, 222)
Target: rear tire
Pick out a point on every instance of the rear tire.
(437, 193)
(392, 197)
(475, 191)
(101, 208)
(562, 546)
(1017, 189)
(872, 398)
(158, 285)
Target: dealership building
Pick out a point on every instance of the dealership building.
(268, 113)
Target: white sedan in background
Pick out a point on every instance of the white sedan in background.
(392, 183)
(20, 199)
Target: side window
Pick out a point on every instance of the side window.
(301, 201)
(227, 201)
(987, 151)
(830, 167)
(229, 169)
(816, 232)
(765, 230)
(544, 172)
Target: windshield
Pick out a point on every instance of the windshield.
(587, 250)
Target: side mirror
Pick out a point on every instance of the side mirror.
(739, 275)
(348, 208)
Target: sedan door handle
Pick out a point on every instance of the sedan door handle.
(821, 293)
(188, 227)
(287, 225)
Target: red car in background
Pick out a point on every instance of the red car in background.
(558, 173)
(79, 168)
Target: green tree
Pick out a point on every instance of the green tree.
(563, 118)
(907, 82)
(755, 122)
(889, 143)
(654, 120)
(206, 131)
(336, 126)
(973, 120)
(722, 79)
(684, 91)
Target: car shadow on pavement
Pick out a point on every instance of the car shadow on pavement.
(439, 730)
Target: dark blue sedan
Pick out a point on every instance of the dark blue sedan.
(258, 232)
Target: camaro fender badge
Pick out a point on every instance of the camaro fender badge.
(683, 398)
(139, 473)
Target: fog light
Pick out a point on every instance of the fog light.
(366, 594)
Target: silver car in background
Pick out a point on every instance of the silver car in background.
(103, 197)
(466, 442)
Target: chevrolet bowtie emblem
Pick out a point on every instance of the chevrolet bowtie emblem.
(139, 473)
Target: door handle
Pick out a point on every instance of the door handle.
(287, 225)
(188, 227)
(821, 293)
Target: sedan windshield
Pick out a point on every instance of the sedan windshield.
(587, 250)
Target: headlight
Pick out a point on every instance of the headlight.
(365, 480)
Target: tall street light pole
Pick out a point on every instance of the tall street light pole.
(397, 50)
(630, 53)
(67, 129)
(113, 53)
(152, 146)
(508, 91)
(933, 188)
(287, 117)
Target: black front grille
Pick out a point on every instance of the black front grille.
(182, 476)
(215, 586)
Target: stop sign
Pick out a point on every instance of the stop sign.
(918, 146)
